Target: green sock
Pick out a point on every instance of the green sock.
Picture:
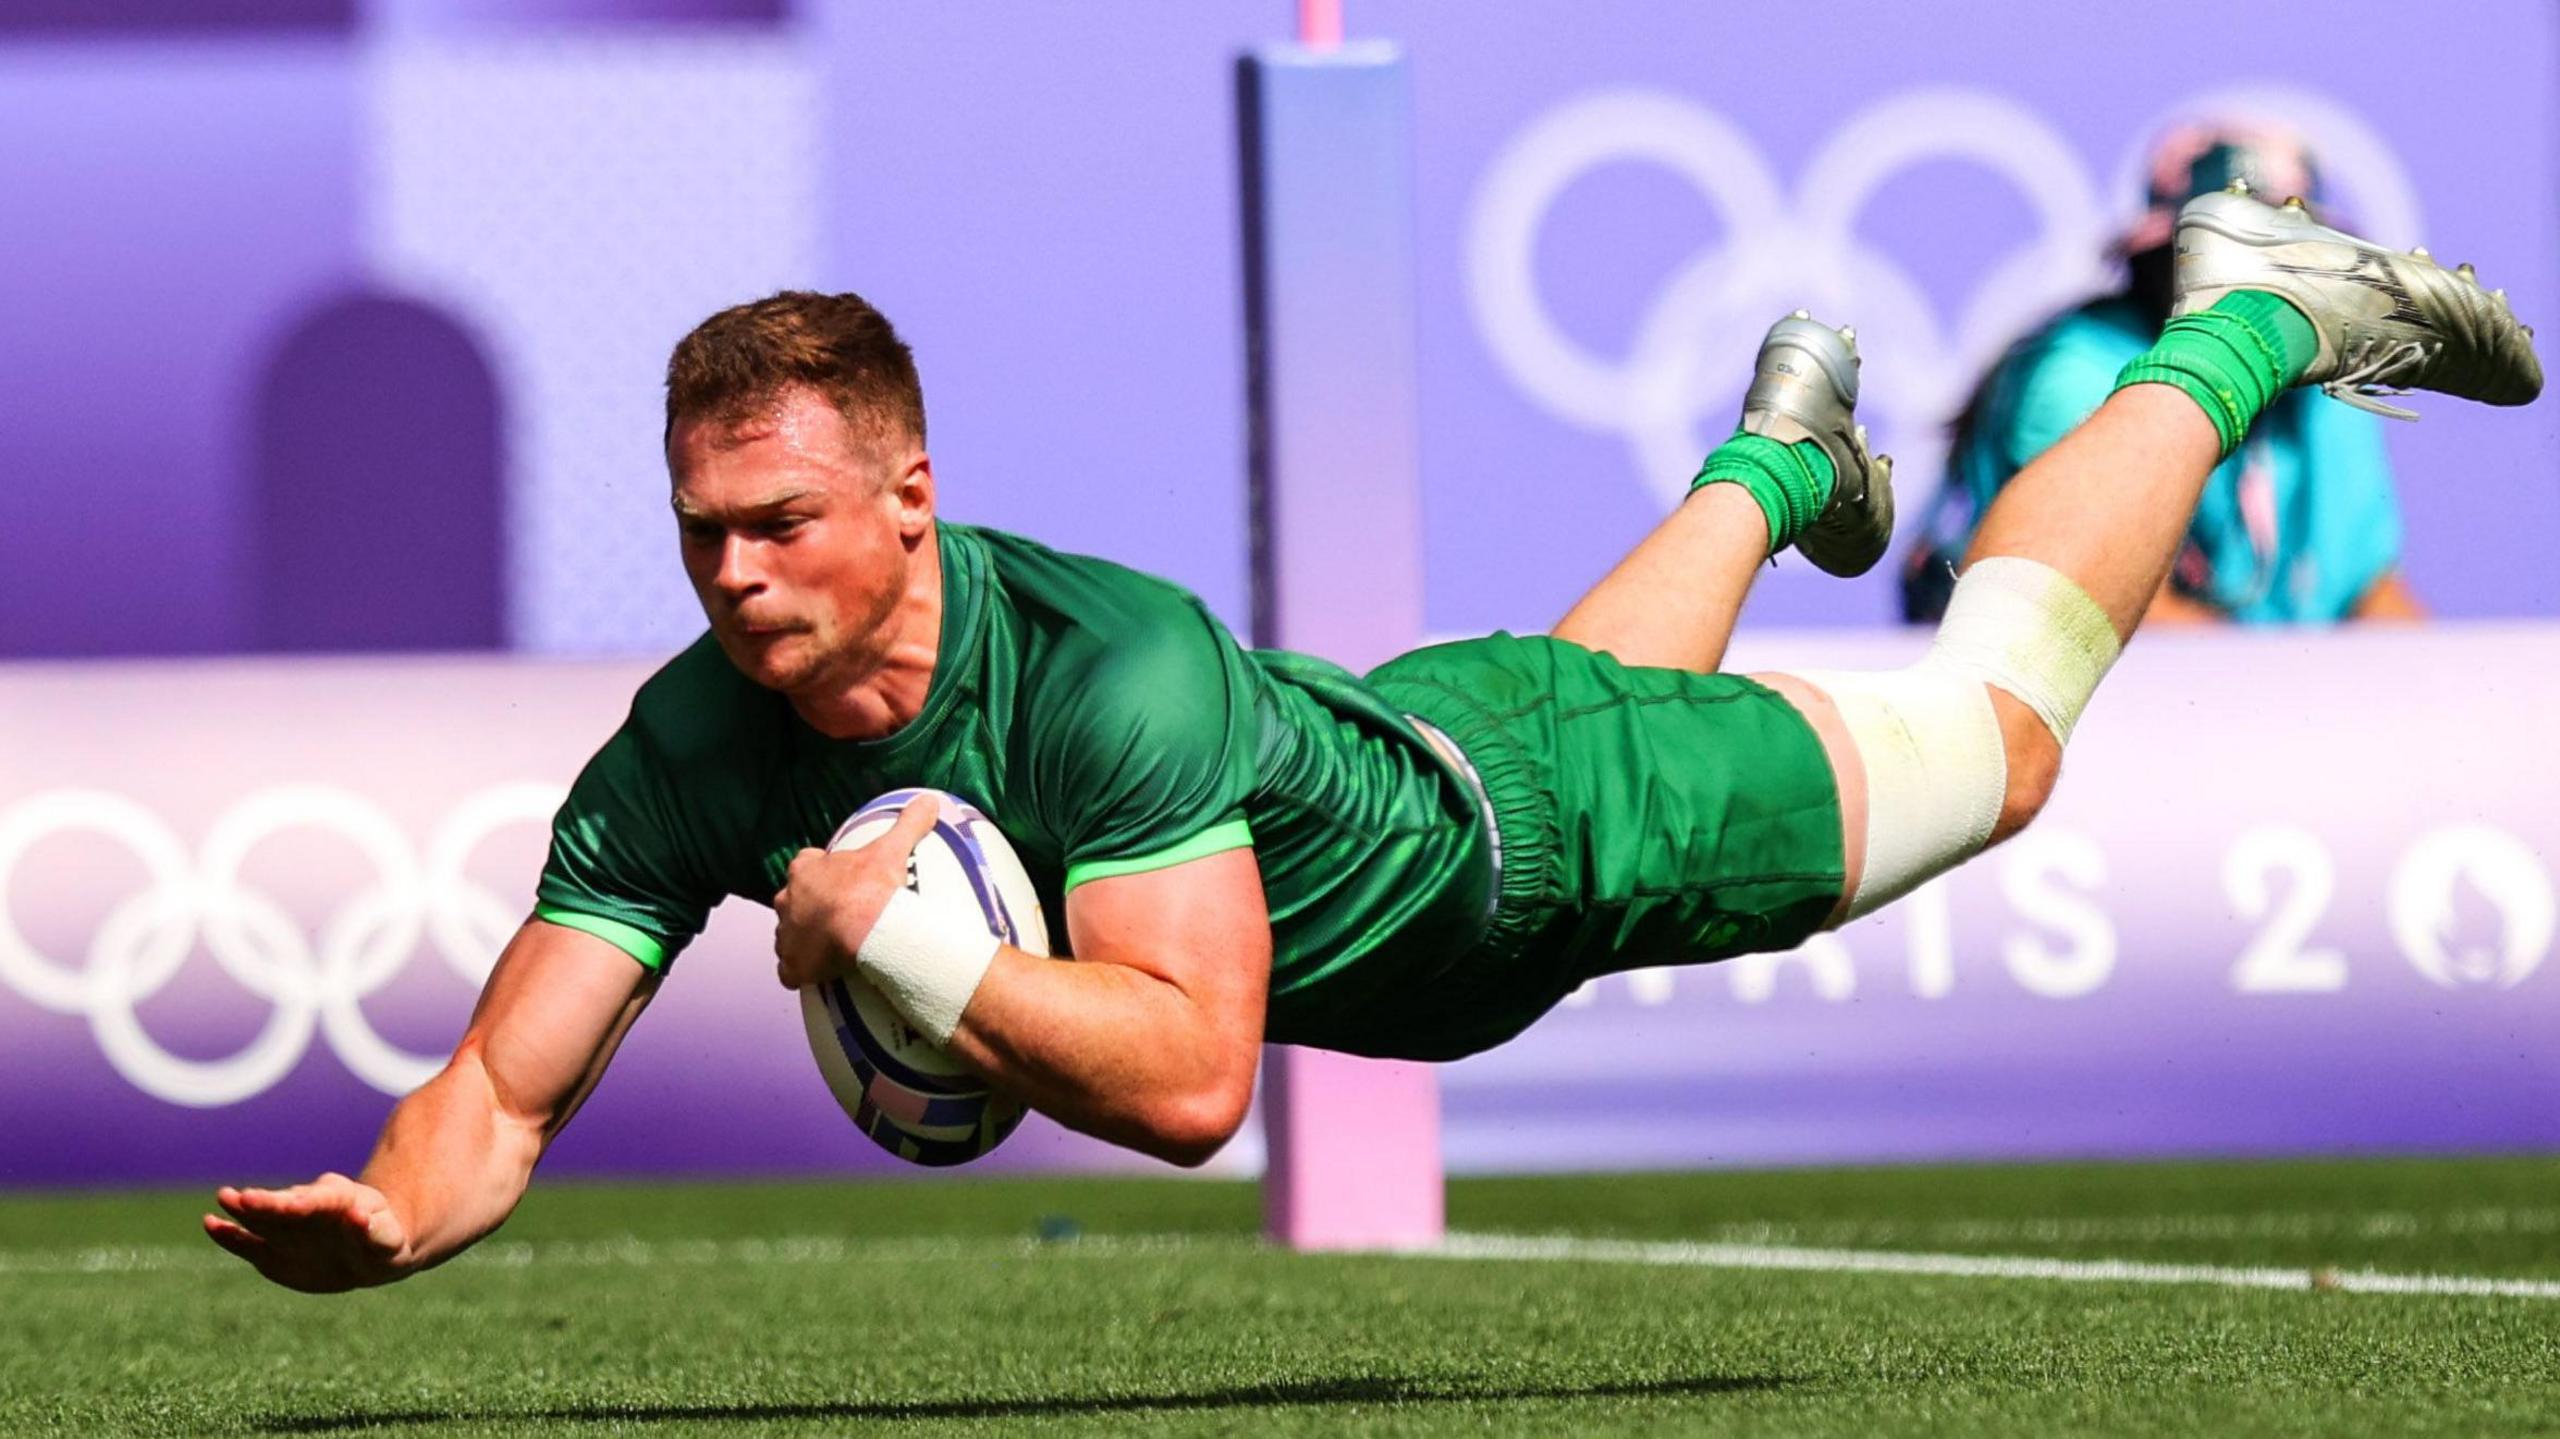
(2230, 359)
(1791, 482)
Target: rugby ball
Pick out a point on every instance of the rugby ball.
(900, 1088)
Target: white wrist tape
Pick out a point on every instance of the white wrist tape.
(2028, 629)
(926, 961)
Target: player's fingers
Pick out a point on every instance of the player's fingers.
(384, 1231)
(227, 1232)
(267, 1223)
(369, 1203)
(300, 1202)
(249, 1212)
(369, 1222)
(792, 962)
(784, 969)
(235, 1239)
(914, 823)
(278, 1264)
(272, 1210)
(249, 1204)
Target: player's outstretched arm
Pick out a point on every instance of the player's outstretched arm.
(458, 1152)
(1150, 1039)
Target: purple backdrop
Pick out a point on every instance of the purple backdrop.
(2277, 907)
(331, 861)
(173, 208)
(1072, 366)
(1608, 205)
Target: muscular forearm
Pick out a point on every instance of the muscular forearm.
(1110, 1050)
(456, 1155)
(453, 1162)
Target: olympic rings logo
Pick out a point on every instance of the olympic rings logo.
(316, 982)
(1780, 252)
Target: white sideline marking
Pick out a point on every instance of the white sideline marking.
(632, 1252)
(1982, 1266)
(2136, 1228)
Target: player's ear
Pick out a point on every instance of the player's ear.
(911, 484)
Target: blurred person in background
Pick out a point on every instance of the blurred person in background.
(2300, 526)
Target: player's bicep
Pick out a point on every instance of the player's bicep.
(1200, 925)
(553, 1011)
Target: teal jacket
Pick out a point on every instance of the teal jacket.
(2294, 528)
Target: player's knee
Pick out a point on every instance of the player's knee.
(1930, 751)
(2034, 763)
(2040, 644)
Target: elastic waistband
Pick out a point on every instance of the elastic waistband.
(1520, 811)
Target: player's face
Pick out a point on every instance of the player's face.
(799, 539)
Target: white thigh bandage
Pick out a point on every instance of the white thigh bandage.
(926, 962)
(1937, 768)
(1936, 772)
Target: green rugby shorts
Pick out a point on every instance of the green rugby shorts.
(1646, 817)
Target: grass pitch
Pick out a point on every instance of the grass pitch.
(936, 1307)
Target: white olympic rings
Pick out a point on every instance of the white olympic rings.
(1778, 253)
(314, 982)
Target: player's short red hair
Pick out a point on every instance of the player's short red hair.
(837, 345)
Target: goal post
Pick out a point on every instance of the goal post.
(1326, 150)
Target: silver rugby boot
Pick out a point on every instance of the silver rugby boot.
(1805, 387)
(2388, 322)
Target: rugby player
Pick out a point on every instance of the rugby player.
(1251, 846)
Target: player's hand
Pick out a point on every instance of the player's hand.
(830, 900)
(330, 1235)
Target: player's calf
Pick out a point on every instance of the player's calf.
(2035, 764)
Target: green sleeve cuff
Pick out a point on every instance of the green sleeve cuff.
(1216, 839)
(638, 943)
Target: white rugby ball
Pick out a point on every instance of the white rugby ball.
(899, 1087)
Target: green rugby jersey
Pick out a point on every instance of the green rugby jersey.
(1108, 724)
